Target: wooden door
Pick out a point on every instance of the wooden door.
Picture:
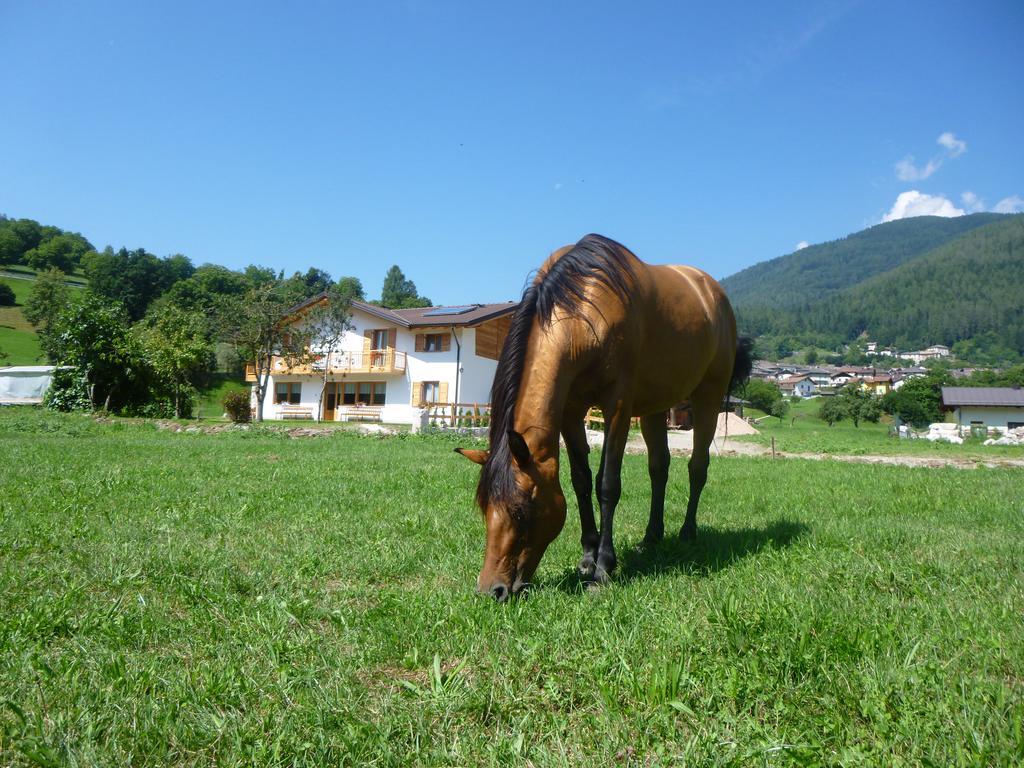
(330, 400)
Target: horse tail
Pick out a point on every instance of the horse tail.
(743, 363)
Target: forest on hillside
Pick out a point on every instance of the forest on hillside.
(966, 293)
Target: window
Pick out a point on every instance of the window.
(380, 338)
(431, 391)
(433, 342)
(364, 393)
(288, 392)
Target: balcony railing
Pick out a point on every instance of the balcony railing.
(374, 361)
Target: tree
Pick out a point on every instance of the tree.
(811, 355)
(918, 401)
(352, 287)
(64, 251)
(176, 346)
(255, 324)
(49, 298)
(761, 394)
(7, 296)
(399, 292)
(779, 409)
(11, 246)
(327, 323)
(832, 410)
(92, 337)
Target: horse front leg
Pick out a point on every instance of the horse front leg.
(616, 432)
(705, 421)
(576, 446)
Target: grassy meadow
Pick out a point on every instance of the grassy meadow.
(801, 431)
(244, 598)
(17, 336)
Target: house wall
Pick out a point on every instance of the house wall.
(991, 416)
(474, 385)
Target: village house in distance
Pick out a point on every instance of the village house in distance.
(392, 363)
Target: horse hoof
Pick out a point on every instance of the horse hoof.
(688, 534)
(587, 568)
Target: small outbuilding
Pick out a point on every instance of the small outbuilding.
(999, 408)
(25, 384)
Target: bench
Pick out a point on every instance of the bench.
(295, 412)
(358, 413)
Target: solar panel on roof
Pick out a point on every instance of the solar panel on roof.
(449, 311)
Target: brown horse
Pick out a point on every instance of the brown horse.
(597, 327)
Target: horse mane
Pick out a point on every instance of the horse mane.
(562, 283)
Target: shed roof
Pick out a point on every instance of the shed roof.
(997, 396)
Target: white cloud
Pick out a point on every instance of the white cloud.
(914, 203)
(953, 145)
(801, 245)
(907, 171)
(972, 202)
(1013, 204)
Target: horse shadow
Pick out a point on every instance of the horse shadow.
(714, 550)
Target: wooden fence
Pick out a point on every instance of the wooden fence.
(459, 414)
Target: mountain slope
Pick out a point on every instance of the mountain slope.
(817, 271)
(969, 288)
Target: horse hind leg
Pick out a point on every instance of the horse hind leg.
(655, 433)
(705, 420)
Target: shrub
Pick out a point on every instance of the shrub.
(6, 295)
(67, 392)
(237, 406)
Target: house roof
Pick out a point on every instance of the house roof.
(998, 396)
(465, 315)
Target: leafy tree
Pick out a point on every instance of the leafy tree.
(811, 355)
(252, 323)
(399, 292)
(92, 337)
(259, 276)
(779, 409)
(832, 410)
(352, 287)
(919, 400)
(11, 246)
(134, 278)
(326, 324)
(6, 296)
(176, 345)
(63, 251)
(49, 298)
(761, 394)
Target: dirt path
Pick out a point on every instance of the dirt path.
(681, 444)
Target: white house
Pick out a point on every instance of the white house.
(801, 386)
(393, 362)
(999, 408)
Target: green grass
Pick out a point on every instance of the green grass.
(248, 599)
(208, 405)
(17, 336)
(801, 431)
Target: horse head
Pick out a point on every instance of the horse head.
(522, 521)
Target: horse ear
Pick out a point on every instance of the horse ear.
(477, 457)
(520, 450)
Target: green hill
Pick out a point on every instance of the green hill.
(817, 271)
(965, 291)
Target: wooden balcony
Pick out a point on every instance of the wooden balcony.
(386, 361)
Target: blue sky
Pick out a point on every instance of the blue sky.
(465, 141)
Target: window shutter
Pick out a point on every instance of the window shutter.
(417, 394)
(421, 342)
(446, 342)
(443, 396)
(392, 338)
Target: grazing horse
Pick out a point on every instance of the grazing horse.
(598, 327)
